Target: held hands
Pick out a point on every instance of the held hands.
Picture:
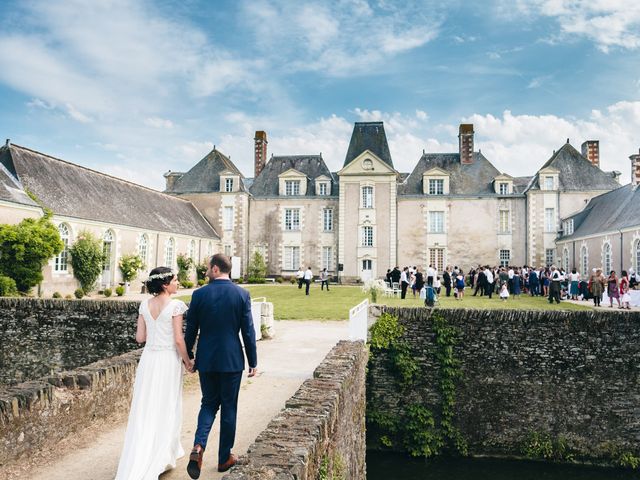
(189, 366)
(252, 372)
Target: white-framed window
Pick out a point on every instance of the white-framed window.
(636, 256)
(367, 236)
(291, 258)
(107, 250)
(228, 218)
(549, 219)
(227, 251)
(62, 259)
(505, 224)
(505, 258)
(228, 184)
(584, 261)
(503, 188)
(292, 219)
(327, 258)
(192, 250)
(548, 182)
(436, 258)
(143, 248)
(367, 264)
(169, 252)
(606, 258)
(323, 188)
(550, 256)
(436, 222)
(568, 227)
(565, 259)
(367, 196)
(327, 219)
(209, 251)
(436, 186)
(292, 187)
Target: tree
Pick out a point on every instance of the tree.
(25, 248)
(130, 265)
(185, 264)
(87, 260)
(257, 268)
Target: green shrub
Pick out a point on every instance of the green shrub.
(185, 264)
(119, 290)
(68, 296)
(79, 293)
(201, 272)
(279, 279)
(7, 287)
(187, 284)
(107, 292)
(257, 268)
(56, 295)
(293, 279)
(201, 282)
(25, 248)
(130, 264)
(87, 259)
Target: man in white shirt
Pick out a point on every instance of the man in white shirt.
(308, 277)
(554, 285)
(431, 275)
(300, 276)
(404, 282)
(489, 275)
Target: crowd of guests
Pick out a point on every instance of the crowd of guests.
(554, 283)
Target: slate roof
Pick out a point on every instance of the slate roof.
(75, 191)
(470, 179)
(267, 183)
(204, 176)
(10, 188)
(611, 211)
(368, 136)
(520, 184)
(576, 172)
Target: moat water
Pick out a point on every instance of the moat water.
(389, 466)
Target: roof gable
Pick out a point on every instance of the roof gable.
(204, 176)
(266, 184)
(367, 163)
(436, 171)
(368, 136)
(291, 173)
(79, 192)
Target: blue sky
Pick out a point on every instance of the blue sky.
(136, 88)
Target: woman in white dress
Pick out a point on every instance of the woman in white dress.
(152, 442)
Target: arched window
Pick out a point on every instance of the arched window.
(584, 261)
(636, 256)
(143, 248)
(606, 258)
(192, 250)
(169, 249)
(61, 260)
(107, 249)
(209, 251)
(565, 259)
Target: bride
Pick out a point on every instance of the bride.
(152, 442)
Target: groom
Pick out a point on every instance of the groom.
(219, 311)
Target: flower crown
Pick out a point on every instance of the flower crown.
(160, 276)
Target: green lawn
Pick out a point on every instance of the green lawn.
(290, 303)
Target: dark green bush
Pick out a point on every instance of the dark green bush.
(79, 293)
(56, 295)
(7, 287)
(201, 282)
(187, 284)
(119, 290)
(257, 268)
(87, 259)
(107, 292)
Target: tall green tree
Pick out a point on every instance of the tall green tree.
(25, 248)
(87, 260)
(257, 268)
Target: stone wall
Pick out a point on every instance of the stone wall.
(321, 431)
(570, 376)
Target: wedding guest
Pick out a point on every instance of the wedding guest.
(574, 278)
(596, 288)
(625, 300)
(446, 281)
(612, 289)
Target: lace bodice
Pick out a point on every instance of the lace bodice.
(160, 330)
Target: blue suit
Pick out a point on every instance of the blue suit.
(219, 312)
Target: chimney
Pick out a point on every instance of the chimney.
(260, 152)
(465, 143)
(171, 178)
(591, 151)
(635, 169)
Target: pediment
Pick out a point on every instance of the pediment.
(505, 177)
(549, 171)
(323, 178)
(435, 172)
(229, 173)
(367, 163)
(292, 173)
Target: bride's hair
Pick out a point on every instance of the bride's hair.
(158, 277)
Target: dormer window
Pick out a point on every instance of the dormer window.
(504, 188)
(323, 190)
(436, 186)
(228, 184)
(292, 187)
(548, 182)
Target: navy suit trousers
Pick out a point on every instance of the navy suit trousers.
(219, 391)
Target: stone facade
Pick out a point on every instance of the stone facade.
(321, 428)
(570, 375)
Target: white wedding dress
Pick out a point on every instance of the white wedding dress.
(152, 442)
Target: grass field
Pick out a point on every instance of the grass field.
(290, 303)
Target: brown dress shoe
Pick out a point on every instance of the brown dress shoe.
(223, 467)
(195, 462)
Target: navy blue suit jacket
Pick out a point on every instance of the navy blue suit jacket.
(219, 312)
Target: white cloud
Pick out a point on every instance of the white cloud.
(157, 122)
(607, 23)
